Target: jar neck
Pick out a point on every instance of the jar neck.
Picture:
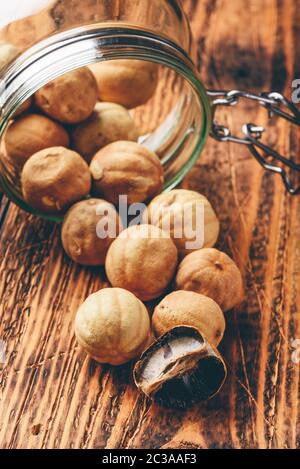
(79, 47)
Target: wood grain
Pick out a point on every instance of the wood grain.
(52, 396)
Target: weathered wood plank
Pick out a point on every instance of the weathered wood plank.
(52, 396)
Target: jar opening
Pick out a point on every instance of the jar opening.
(175, 128)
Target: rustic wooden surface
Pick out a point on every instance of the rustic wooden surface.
(52, 396)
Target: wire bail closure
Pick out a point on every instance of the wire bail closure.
(267, 157)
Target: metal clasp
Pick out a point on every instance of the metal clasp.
(270, 159)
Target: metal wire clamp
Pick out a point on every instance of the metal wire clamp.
(276, 104)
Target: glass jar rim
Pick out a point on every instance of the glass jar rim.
(79, 47)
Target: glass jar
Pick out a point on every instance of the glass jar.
(52, 37)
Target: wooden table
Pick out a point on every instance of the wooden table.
(52, 396)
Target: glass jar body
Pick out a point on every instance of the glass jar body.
(54, 38)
